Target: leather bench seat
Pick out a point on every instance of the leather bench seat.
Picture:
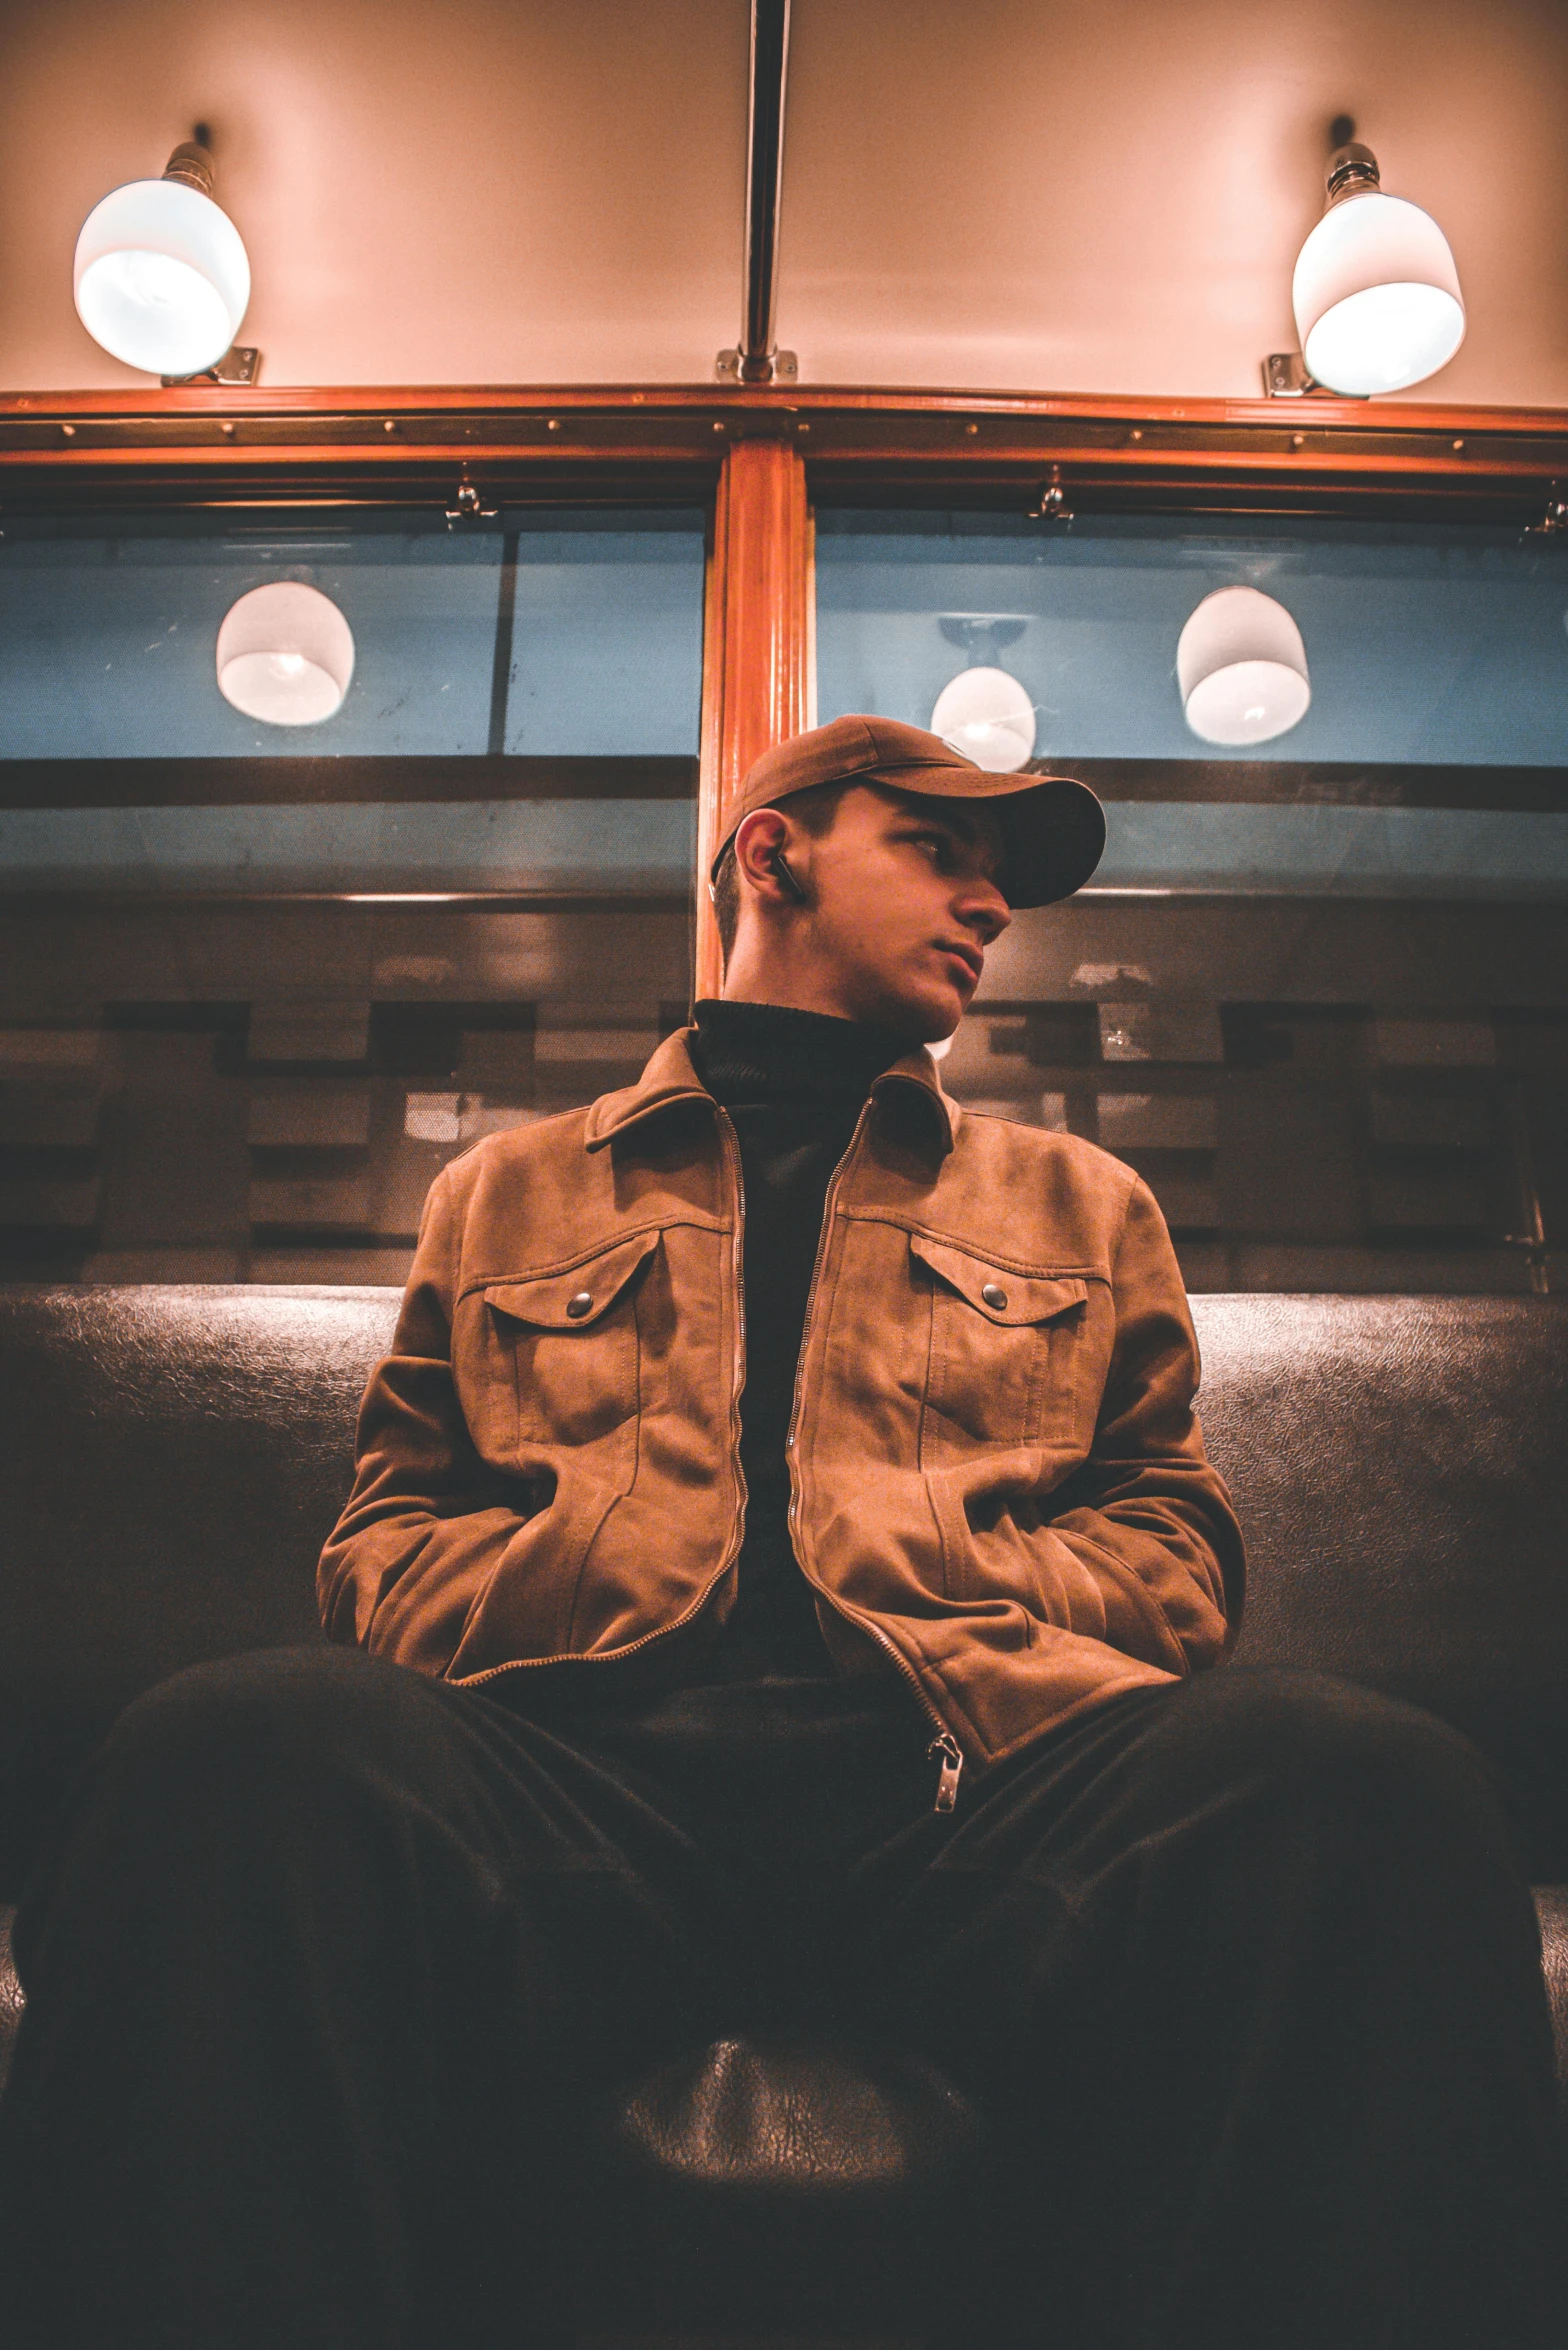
(177, 1455)
(807, 2181)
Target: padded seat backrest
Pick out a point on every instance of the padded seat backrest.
(1400, 1467)
(174, 1458)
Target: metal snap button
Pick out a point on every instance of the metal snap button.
(995, 1297)
(579, 1305)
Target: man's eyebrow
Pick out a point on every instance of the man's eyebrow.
(953, 820)
(961, 824)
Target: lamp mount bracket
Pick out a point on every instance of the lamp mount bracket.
(240, 364)
(1352, 171)
(191, 165)
(740, 367)
(982, 635)
(1285, 377)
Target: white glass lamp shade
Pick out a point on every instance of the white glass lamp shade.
(986, 716)
(1377, 296)
(1242, 668)
(285, 655)
(161, 277)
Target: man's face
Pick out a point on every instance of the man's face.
(903, 904)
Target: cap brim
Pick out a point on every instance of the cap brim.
(1053, 829)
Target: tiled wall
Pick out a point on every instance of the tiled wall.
(266, 1095)
(1301, 1146)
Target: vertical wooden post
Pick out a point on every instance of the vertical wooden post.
(757, 686)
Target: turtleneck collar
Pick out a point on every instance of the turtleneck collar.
(774, 1051)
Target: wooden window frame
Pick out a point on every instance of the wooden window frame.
(757, 458)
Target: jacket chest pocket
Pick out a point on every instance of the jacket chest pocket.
(574, 1343)
(1007, 1352)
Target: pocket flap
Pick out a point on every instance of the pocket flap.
(578, 1298)
(1003, 1296)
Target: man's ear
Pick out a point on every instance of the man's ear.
(761, 854)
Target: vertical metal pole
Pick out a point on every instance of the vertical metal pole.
(764, 184)
(757, 359)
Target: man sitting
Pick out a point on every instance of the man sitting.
(780, 1589)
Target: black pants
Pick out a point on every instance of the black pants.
(1243, 1967)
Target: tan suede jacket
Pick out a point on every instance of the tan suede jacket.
(999, 1487)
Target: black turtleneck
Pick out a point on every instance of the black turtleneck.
(793, 1084)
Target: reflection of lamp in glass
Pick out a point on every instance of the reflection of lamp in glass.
(285, 655)
(1376, 293)
(161, 276)
(1242, 668)
(985, 713)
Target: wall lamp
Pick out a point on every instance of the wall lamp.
(984, 713)
(1241, 668)
(1376, 293)
(161, 278)
(285, 655)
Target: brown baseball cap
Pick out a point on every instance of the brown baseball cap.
(1053, 828)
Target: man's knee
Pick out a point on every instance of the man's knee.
(1306, 1738)
(266, 1714)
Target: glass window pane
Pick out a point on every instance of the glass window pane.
(258, 982)
(1317, 992)
(541, 638)
(108, 635)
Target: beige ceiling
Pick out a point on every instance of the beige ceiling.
(1097, 195)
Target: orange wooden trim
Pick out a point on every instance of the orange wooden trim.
(757, 685)
(377, 402)
(664, 441)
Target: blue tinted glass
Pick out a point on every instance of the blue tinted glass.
(542, 636)
(1428, 648)
(607, 642)
(107, 645)
(592, 647)
(1335, 851)
(395, 846)
(1424, 643)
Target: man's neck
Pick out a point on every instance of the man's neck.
(790, 1049)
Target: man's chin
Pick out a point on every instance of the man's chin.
(924, 1012)
(931, 1019)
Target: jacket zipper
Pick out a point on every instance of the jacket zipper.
(952, 1756)
(944, 1744)
(731, 1145)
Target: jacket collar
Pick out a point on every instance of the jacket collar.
(671, 1076)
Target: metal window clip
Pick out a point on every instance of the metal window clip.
(468, 506)
(1554, 518)
(1052, 506)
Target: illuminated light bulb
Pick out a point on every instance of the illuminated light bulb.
(285, 655)
(161, 277)
(1376, 293)
(987, 716)
(1242, 668)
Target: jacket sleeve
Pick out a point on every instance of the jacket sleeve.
(1147, 1517)
(427, 1523)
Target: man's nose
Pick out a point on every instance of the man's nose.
(984, 910)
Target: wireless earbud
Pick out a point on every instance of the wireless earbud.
(788, 880)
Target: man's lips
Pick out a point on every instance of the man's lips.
(971, 957)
